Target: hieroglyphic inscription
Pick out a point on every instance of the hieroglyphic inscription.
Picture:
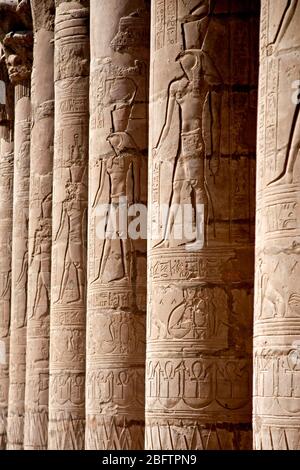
(117, 265)
(40, 231)
(68, 271)
(201, 284)
(6, 214)
(277, 296)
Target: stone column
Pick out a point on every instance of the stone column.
(117, 264)
(17, 358)
(6, 206)
(18, 50)
(203, 94)
(68, 282)
(40, 222)
(277, 299)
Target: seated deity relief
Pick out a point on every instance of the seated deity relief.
(273, 300)
(118, 333)
(68, 345)
(192, 313)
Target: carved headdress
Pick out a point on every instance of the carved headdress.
(133, 31)
(195, 24)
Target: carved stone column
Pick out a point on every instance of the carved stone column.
(18, 51)
(202, 144)
(6, 206)
(277, 299)
(68, 281)
(40, 222)
(117, 265)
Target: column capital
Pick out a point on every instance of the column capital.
(17, 38)
(6, 92)
(3, 78)
(43, 14)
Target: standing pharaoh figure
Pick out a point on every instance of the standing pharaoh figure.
(117, 247)
(70, 191)
(116, 260)
(202, 166)
(190, 93)
(41, 256)
(73, 215)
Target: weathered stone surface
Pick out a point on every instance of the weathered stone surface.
(73, 144)
(68, 273)
(17, 36)
(202, 144)
(17, 42)
(19, 268)
(40, 225)
(277, 300)
(117, 267)
(6, 206)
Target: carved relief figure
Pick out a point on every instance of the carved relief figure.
(122, 169)
(197, 317)
(293, 149)
(73, 217)
(190, 94)
(76, 161)
(5, 287)
(41, 256)
(21, 289)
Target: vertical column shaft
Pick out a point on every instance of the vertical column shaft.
(6, 211)
(17, 359)
(40, 223)
(117, 259)
(68, 281)
(202, 169)
(277, 307)
(17, 44)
